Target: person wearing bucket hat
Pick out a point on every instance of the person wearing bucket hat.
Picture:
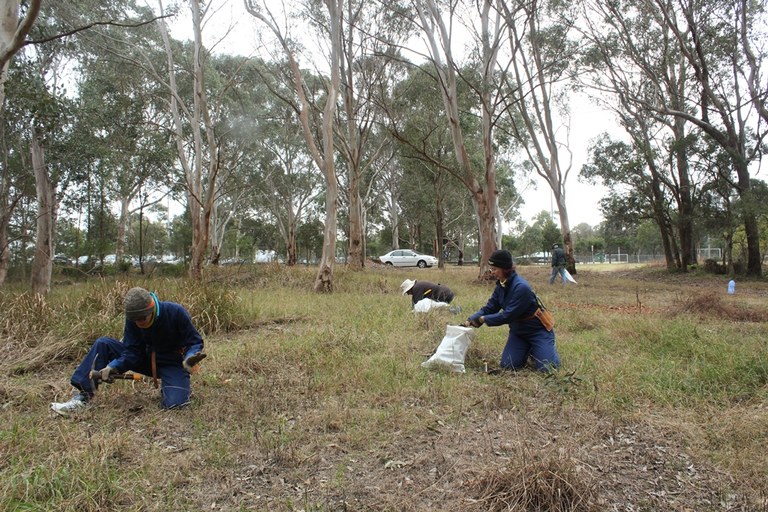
(419, 290)
(514, 302)
(159, 340)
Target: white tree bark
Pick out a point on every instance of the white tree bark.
(440, 41)
(42, 263)
(322, 150)
(12, 36)
(200, 165)
(532, 77)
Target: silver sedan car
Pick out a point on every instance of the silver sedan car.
(408, 258)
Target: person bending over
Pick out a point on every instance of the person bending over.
(419, 290)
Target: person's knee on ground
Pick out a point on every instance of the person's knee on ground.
(176, 386)
(174, 396)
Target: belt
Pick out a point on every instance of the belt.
(153, 361)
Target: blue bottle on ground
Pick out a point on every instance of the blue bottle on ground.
(731, 287)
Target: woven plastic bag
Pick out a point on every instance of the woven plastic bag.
(426, 305)
(452, 349)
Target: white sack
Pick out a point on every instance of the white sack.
(452, 349)
(425, 305)
(569, 277)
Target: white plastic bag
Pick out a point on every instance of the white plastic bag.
(569, 277)
(426, 305)
(452, 349)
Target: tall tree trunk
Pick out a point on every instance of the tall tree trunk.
(440, 232)
(122, 229)
(439, 39)
(42, 263)
(5, 253)
(201, 171)
(6, 205)
(325, 158)
(12, 36)
(356, 257)
(751, 228)
(291, 245)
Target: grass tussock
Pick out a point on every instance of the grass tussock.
(39, 329)
(712, 305)
(539, 484)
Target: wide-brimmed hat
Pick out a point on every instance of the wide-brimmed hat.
(407, 285)
(501, 259)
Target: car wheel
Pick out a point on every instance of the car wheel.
(388, 263)
(421, 264)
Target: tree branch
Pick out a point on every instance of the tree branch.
(91, 25)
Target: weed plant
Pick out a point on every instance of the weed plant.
(318, 401)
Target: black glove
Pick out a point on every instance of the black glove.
(192, 360)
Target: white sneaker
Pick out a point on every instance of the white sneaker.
(64, 408)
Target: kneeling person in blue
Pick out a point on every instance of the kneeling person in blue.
(513, 302)
(159, 340)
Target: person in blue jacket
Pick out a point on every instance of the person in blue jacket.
(513, 302)
(159, 340)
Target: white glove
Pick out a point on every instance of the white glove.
(105, 374)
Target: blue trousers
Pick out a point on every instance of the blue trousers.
(175, 385)
(526, 339)
(555, 272)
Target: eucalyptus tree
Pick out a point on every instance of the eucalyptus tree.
(193, 127)
(751, 22)
(541, 49)
(45, 115)
(13, 35)
(241, 111)
(659, 138)
(177, 75)
(318, 132)
(425, 149)
(118, 115)
(636, 188)
(287, 182)
(16, 21)
(49, 53)
(392, 191)
(478, 174)
(704, 43)
(17, 184)
(370, 34)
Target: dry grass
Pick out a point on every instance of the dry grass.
(318, 402)
(535, 485)
(711, 305)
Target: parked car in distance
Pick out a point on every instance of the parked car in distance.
(408, 258)
(62, 259)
